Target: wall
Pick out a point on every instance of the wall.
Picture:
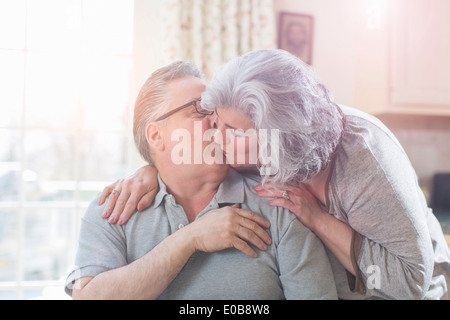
(352, 61)
(349, 57)
(147, 35)
(334, 42)
(426, 141)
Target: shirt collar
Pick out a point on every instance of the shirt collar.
(161, 193)
(230, 191)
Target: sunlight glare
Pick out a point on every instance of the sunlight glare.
(375, 11)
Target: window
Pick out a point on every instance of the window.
(65, 130)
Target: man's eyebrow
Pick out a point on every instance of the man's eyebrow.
(226, 125)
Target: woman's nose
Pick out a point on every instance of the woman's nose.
(219, 135)
(213, 121)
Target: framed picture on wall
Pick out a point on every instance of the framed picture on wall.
(295, 34)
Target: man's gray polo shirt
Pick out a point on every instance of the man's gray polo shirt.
(295, 265)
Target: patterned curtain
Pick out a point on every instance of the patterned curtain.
(211, 32)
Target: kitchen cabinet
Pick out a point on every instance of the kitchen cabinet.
(419, 52)
(403, 65)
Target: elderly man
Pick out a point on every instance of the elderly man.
(194, 242)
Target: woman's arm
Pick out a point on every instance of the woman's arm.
(336, 235)
(134, 192)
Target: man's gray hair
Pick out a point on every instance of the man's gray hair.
(151, 102)
(279, 91)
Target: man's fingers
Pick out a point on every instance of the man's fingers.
(248, 214)
(245, 248)
(250, 228)
(255, 238)
(255, 234)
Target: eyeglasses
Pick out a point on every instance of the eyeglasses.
(195, 103)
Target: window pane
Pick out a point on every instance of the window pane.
(48, 241)
(9, 165)
(9, 244)
(31, 293)
(108, 26)
(46, 293)
(8, 294)
(54, 25)
(52, 90)
(11, 84)
(49, 166)
(103, 159)
(105, 92)
(12, 24)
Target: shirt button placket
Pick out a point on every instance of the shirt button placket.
(176, 212)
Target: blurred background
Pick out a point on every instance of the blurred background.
(70, 71)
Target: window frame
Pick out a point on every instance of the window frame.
(20, 286)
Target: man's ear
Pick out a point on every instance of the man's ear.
(154, 137)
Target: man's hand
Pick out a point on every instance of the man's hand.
(230, 227)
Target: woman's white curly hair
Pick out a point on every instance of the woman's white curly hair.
(279, 91)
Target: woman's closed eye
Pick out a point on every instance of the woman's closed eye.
(240, 133)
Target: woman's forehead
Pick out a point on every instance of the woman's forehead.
(233, 119)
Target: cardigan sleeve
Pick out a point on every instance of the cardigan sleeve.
(377, 194)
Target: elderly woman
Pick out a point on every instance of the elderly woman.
(341, 172)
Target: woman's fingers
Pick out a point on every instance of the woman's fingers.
(106, 192)
(147, 199)
(124, 196)
(271, 192)
(124, 212)
(119, 205)
(284, 203)
(112, 199)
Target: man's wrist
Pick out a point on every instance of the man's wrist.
(187, 239)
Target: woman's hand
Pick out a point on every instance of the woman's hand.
(126, 195)
(306, 207)
(229, 227)
(335, 234)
